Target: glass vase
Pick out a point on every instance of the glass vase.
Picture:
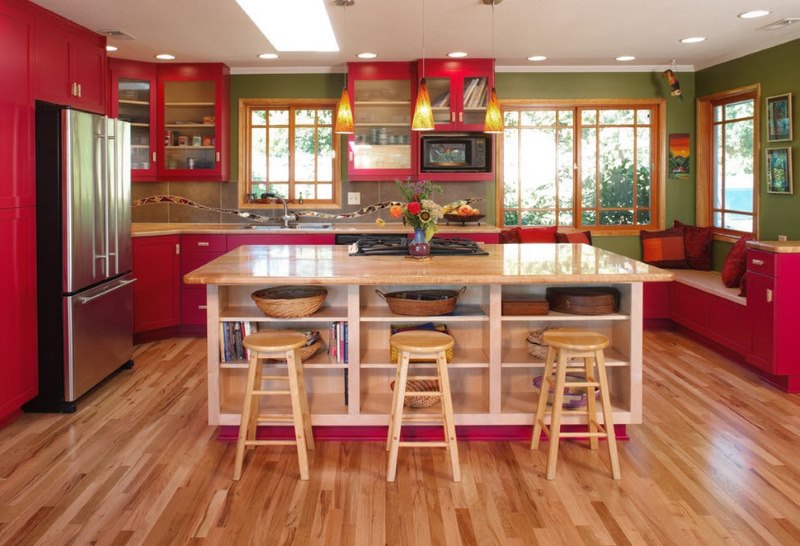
(419, 247)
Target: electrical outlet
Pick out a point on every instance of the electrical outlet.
(353, 198)
(781, 237)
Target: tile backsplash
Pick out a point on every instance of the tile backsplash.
(224, 195)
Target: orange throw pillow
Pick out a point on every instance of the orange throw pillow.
(664, 248)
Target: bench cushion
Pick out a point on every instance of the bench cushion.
(710, 282)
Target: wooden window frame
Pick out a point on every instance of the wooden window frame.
(658, 158)
(245, 107)
(705, 153)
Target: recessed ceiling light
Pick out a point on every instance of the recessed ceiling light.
(298, 25)
(111, 48)
(165, 57)
(694, 40)
(536, 58)
(626, 58)
(754, 14)
(457, 54)
(268, 56)
(367, 55)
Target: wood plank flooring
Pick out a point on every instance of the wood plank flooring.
(717, 461)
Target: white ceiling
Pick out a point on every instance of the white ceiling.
(573, 34)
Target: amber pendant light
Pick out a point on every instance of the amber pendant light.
(344, 113)
(494, 115)
(423, 113)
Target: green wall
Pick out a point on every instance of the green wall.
(776, 70)
(680, 115)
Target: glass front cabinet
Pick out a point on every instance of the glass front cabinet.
(459, 91)
(383, 145)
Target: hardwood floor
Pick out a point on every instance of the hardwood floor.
(717, 461)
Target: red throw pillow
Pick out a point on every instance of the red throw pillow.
(664, 248)
(584, 237)
(538, 234)
(698, 242)
(509, 235)
(735, 263)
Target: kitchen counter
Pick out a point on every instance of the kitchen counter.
(151, 229)
(491, 369)
(505, 264)
(778, 247)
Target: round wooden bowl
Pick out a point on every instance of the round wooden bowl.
(289, 301)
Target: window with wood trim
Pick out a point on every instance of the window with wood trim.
(287, 148)
(733, 163)
(586, 165)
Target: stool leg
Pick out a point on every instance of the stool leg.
(608, 422)
(397, 416)
(541, 407)
(394, 402)
(297, 413)
(447, 414)
(591, 407)
(301, 381)
(252, 422)
(555, 421)
(246, 406)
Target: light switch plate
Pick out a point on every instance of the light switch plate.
(353, 198)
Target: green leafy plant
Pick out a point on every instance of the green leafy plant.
(419, 210)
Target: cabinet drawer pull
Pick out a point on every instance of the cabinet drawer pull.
(769, 295)
(79, 90)
(202, 307)
(154, 157)
(202, 243)
(453, 116)
(757, 262)
(218, 157)
(461, 117)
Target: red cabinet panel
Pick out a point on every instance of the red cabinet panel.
(235, 241)
(191, 244)
(88, 66)
(193, 305)
(459, 91)
(17, 183)
(730, 324)
(156, 293)
(690, 307)
(18, 308)
(760, 290)
(761, 262)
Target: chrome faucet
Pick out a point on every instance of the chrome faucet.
(287, 216)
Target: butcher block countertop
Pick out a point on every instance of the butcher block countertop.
(779, 247)
(152, 229)
(505, 264)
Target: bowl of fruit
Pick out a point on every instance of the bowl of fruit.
(463, 214)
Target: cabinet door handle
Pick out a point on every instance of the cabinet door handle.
(80, 92)
(74, 89)
(177, 248)
(757, 262)
(202, 307)
(202, 243)
(769, 295)
(217, 157)
(461, 117)
(453, 116)
(154, 157)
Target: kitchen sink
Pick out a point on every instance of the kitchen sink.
(278, 227)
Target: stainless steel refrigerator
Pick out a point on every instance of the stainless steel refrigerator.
(83, 222)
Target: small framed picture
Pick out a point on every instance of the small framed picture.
(779, 118)
(779, 170)
(183, 140)
(197, 140)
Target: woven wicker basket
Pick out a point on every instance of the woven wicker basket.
(422, 302)
(420, 385)
(289, 301)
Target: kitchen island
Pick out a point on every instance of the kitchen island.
(491, 369)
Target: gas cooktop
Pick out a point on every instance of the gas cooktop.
(381, 245)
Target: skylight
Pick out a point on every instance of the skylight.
(292, 25)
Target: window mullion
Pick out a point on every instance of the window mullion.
(577, 167)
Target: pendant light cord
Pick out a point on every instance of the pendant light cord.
(423, 39)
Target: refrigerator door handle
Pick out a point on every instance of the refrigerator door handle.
(100, 225)
(88, 299)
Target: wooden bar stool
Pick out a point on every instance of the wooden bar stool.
(281, 345)
(421, 345)
(564, 344)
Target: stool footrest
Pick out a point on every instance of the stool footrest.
(422, 378)
(264, 393)
(272, 418)
(270, 443)
(422, 444)
(582, 435)
(422, 418)
(274, 377)
(424, 393)
(581, 384)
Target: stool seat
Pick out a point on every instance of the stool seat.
(565, 344)
(574, 339)
(280, 345)
(422, 341)
(274, 341)
(426, 345)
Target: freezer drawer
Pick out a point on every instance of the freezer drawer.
(98, 335)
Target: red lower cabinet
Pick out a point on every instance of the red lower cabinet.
(19, 365)
(235, 241)
(197, 250)
(156, 293)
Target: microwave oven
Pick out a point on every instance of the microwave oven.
(456, 152)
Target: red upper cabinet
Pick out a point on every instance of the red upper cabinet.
(382, 146)
(193, 118)
(17, 188)
(132, 97)
(70, 64)
(459, 91)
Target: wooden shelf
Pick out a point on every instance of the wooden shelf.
(254, 314)
(139, 124)
(377, 359)
(563, 317)
(462, 313)
(318, 403)
(525, 403)
(189, 147)
(134, 102)
(320, 361)
(179, 104)
(520, 358)
(189, 125)
(463, 403)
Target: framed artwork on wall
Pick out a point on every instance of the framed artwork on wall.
(779, 118)
(678, 155)
(779, 170)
